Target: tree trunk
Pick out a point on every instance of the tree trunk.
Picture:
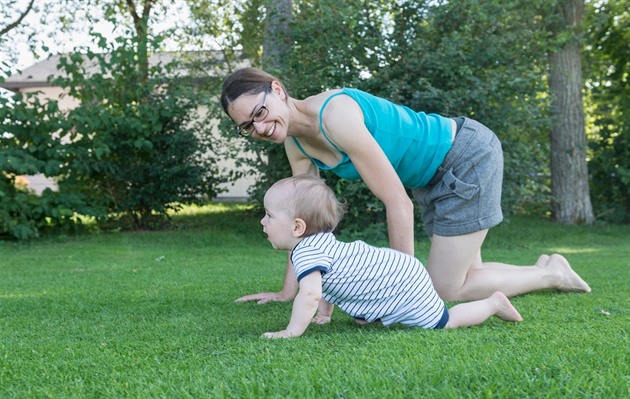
(569, 174)
(141, 25)
(277, 34)
(276, 44)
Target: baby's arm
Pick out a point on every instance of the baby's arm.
(324, 312)
(304, 307)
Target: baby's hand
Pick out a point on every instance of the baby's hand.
(319, 319)
(277, 334)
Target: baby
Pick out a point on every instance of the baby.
(369, 283)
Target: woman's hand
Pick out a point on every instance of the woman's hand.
(264, 297)
(278, 334)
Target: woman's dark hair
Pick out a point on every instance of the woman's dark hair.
(245, 81)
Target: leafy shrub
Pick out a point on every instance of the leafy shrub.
(135, 147)
(28, 146)
(135, 141)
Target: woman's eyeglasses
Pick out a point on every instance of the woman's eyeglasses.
(246, 129)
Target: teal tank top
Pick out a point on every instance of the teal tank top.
(414, 142)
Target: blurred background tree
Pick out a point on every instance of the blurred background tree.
(484, 60)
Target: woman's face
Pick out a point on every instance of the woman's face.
(260, 115)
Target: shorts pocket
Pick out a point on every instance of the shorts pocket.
(458, 187)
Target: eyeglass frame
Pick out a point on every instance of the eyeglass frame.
(242, 129)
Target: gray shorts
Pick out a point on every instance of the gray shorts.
(464, 196)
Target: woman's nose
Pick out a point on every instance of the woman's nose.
(260, 127)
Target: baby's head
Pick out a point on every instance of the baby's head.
(304, 198)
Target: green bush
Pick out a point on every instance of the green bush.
(133, 149)
(29, 145)
(135, 143)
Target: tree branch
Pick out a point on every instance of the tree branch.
(18, 21)
(132, 10)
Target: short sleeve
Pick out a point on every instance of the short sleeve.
(307, 259)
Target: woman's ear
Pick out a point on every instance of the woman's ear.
(299, 227)
(276, 87)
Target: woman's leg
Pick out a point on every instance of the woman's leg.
(458, 274)
(476, 312)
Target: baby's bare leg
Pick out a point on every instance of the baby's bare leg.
(476, 312)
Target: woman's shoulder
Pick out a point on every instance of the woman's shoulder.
(317, 100)
(328, 103)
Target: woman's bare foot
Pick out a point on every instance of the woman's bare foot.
(568, 279)
(505, 310)
(542, 261)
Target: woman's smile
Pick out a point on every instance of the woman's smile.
(269, 132)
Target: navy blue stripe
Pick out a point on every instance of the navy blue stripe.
(309, 271)
(443, 320)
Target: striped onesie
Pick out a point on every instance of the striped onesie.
(371, 283)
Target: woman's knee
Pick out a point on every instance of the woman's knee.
(450, 293)
(447, 288)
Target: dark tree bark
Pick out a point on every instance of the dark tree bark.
(569, 174)
(277, 34)
(276, 44)
(141, 25)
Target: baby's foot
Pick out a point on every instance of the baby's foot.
(568, 278)
(505, 310)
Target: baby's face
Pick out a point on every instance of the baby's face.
(278, 223)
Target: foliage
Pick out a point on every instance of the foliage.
(607, 67)
(135, 144)
(152, 315)
(483, 60)
(460, 57)
(27, 147)
(128, 153)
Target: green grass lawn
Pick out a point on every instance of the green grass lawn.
(151, 315)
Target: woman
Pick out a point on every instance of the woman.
(453, 166)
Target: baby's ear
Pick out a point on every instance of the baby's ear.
(299, 227)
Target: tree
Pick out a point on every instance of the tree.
(608, 80)
(18, 19)
(136, 146)
(141, 26)
(277, 34)
(11, 21)
(569, 173)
